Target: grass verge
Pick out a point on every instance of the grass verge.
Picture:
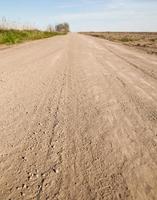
(18, 36)
(146, 41)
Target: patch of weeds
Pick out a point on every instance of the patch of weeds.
(17, 36)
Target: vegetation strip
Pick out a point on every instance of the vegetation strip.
(146, 41)
(14, 36)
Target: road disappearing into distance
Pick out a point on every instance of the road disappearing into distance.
(78, 121)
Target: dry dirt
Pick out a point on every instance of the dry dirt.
(78, 121)
(141, 40)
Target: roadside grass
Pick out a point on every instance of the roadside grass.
(146, 41)
(125, 39)
(14, 36)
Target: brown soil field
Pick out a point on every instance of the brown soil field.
(146, 41)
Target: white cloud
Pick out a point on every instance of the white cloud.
(110, 14)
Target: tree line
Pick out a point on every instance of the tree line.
(63, 27)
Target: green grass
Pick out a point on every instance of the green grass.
(18, 36)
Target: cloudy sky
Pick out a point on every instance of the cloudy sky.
(84, 15)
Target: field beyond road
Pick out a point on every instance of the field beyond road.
(141, 40)
(78, 121)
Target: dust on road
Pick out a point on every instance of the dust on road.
(78, 121)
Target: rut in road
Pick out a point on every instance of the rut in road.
(82, 123)
(56, 122)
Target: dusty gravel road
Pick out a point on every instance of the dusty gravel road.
(78, 121)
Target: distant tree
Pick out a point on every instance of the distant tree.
(64, 27)
(50, 28)
(67, 27)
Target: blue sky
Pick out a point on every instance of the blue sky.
(84, 15)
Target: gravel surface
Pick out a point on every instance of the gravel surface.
(78, 121)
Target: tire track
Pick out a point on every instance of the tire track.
(55, 124)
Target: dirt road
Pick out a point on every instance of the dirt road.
(78, 121)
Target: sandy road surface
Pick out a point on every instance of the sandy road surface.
(78, 121)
